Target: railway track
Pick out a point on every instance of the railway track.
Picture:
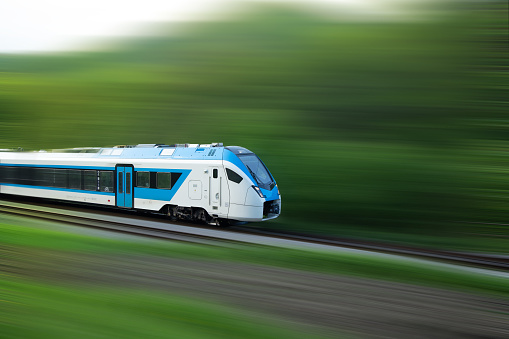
(498, 262)
(108, 221)
(113, 220)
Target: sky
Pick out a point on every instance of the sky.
(51, 25)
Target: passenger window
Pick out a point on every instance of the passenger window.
(48, 177)
(120, 182)
(60, 178)
(74, 179)
(106, 181)
(37, 177)
(25, 175)
(164, 180)
(233, 176)
(11, 175)
(143, 179)
(214, 173)
(128, 183)
(90, 180)
(3, 174)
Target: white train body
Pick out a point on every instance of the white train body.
(206, 182)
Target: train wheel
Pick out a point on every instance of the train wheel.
(200, 215)
(171, 212)
(223, 222)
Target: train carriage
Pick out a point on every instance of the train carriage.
(209, 182)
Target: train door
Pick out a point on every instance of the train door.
(124, 190)
(215, 189)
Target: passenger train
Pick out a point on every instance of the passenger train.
(209, 183)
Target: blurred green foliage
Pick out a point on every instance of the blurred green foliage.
(44, 310)
(368, 128)
(42, 243)
(49, 286)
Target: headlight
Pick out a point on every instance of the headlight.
(259, 191)
(278, 191)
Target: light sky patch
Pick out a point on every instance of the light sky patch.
(52, 25)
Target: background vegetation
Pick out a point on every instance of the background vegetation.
(60, 282)
(387, 130)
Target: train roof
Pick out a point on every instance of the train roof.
(211, 151)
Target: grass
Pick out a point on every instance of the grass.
(348, 263)
(36, 310)
(481, 239)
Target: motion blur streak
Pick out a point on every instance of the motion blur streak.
(386, 126)
(379, 121)
(119, 289)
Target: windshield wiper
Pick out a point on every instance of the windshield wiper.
(254, 175)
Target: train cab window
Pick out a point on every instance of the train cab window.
(106, 181)
(233, 176)
(90, 180)
(143, 179)
(74, 179)
(164, 180)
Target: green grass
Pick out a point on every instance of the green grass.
(470, 238)
(36, 310)
(354, 264)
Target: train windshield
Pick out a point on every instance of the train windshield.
(258, 170)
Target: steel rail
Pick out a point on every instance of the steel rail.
(108, 225)
(465, 258)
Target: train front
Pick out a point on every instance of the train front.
(254, 195)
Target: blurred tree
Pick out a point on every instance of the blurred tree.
(368, 125)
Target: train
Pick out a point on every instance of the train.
(209, 183)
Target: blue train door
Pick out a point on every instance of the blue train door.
(124, 186)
